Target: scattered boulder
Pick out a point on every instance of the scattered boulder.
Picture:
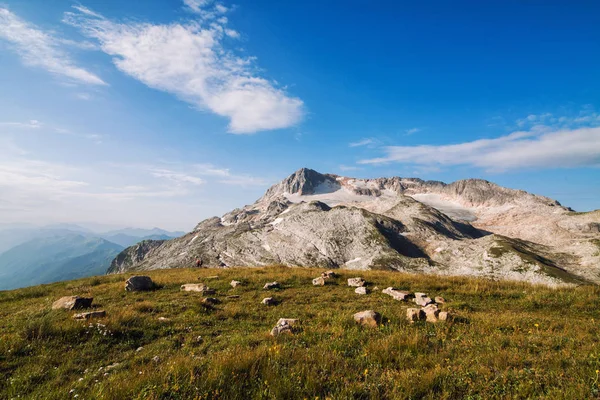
(399, 295)
(197, 287)
(356, 282)
(368, 318)
(139, 283)
(91, 314)
(360, 290)
(269, 301)
(235, 283)
(422, 300)
(320, 281)
(210, 301)
(444, 316)
(415, 314)
(284, 326)
(73, 303)
(329, 275)
(272, 285)
(439, 300)
(431, 312)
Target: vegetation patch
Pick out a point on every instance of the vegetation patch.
(509, 340)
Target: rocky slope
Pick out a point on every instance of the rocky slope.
(469, 227)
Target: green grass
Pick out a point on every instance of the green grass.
(512, 340)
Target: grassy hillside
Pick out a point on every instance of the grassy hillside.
(512, 340)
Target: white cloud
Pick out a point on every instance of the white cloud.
(41, 49)
(362, 142)
(540, 147)
(411, 131)
(177, 177)
(191, 61)
(32, 124)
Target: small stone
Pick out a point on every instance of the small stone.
(320, 281)
(199, 339)
(399, 295)
(431, 312)
(439, 300)
(269, 301)
(356, 282)
(376, 288)
(73, 303)
(368, 318)
(422, 300)
(139, 349)
(139, 283)
(444, 316)
(284, 326)
(163, 319)
(360, 290)
(415, 314)
(91, 314)
(210, 300)
(156, 359)
(329, 275)
(235, 283)
(272, 285)
(197, 287)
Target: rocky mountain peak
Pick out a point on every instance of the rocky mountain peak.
(303, 182)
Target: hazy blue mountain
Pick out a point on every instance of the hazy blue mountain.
(128, 240)
(141, 233)
(54, 258)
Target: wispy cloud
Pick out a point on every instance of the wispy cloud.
(191, 60)
(31, 124)
(41, 49)
(412, 131)
(362, 142)
(177, 177)
(540, 147)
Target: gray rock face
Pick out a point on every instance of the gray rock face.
(73, 303)
(139, 283)
(470, 227)
(422, 300)
(415, 314)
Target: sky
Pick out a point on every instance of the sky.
(167, 112)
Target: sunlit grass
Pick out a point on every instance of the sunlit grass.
(514, 341)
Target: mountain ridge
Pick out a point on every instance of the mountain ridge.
(329, 220)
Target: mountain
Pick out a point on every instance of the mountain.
(469, 227)
(125, 240)
(55, 258)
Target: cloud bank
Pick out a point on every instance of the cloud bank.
(538, 148)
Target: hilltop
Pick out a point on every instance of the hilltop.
(508, 340)
(470, 227)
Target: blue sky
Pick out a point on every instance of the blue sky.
(165, 112)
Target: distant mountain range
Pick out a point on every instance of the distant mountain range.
(33, 255)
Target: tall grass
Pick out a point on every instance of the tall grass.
(510, 340)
